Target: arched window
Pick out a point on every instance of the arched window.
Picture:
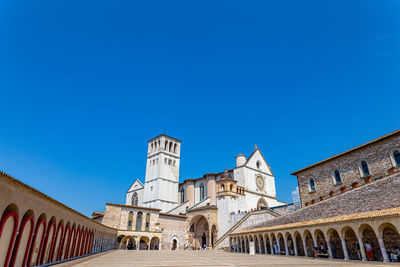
(139, 221)
(135, 199)
(311, 184)
(231, 187)
(182, 195)
(175, 148)
(130, 220)
(258, 165)
(155, 145)
(147, 222)
(364, 168)
(151, 150)
(396, 157)
(222, 188)
(166, 145)
(170, 146)
(201, 191)
(338, 177)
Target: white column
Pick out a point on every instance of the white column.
(361, 243)
(279, 246)
(383, 248)
(272, 246)
(305, 247)
(328, 244)
(265, 245)
(259, 245)
(346, 254)
(296, 253)
(286, 247)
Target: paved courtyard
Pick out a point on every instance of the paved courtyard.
(201, 258)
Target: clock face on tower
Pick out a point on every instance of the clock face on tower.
(260, 182)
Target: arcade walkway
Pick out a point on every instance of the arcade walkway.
(203, 258)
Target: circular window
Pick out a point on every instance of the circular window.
(260, 182)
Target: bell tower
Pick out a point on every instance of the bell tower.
(162, 173)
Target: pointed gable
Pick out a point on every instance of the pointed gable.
(257, 161)
(137, 185)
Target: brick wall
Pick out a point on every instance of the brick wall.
(376, 154)
(381, 194)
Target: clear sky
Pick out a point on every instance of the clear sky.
(84, 85)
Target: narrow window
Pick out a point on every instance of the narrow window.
(182, 195)
(201, 192)
(365, 168)
(170, 146)
(166, 145)
(175, 148)
(396, 156)
(312, 184)
(258, 165)
(135, 199)
(338, 178)
(130, 219)
(147, 222)
(222, 188)
(231, 187)
(139, 221)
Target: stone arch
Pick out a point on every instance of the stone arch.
(57, 241)
(174, 243)
(65, 241)
(199, 232)
(351, 242)
(51, 231)
(369, 237)
(390, 236)
(281, 244)
(155, 243)
(144, 243)
(321, 240)
(299, 244)
(336, 243)
(8, 232)
(290, 243)
(309, 243)
(37, 240)
(268, 248)
(262, 204)
(23, 240)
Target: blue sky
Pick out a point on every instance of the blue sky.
(84, 85)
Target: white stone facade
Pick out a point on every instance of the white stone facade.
(251, 183)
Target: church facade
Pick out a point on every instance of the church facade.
(206, 207)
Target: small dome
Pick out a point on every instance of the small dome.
(226, 174)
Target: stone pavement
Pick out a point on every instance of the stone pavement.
(164, 258)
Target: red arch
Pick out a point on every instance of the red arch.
(70, 244)
(24, 221)
(76, 254)
(84, 235)
(51, 224)
(68, 227)
(4, 218)
(53, 248)
(38, 223)
(90, 242)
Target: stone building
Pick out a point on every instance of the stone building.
(350, 201)
(36, 229)
(350, 169)
(209, 205)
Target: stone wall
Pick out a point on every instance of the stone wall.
(376, 154)
(173, 227)
(381, 194)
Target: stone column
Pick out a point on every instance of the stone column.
(383, 248)
(259, 245)
(286, 247)
(361, 243)
(265, 245)
(272, 247)
(296, 253)
(279, 246)
(328, 244)
(137, 241)
(305, 248)
(245, 246)
(346, 254)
